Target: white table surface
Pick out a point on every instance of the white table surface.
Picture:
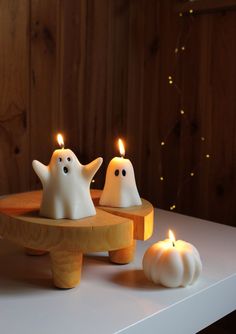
(113, 298)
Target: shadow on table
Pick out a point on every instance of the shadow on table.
(98, 258)
(20, 273)
(134, 278)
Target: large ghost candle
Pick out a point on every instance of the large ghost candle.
(120, 188)
(66, 185)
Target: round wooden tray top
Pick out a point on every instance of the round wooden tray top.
(111, 229)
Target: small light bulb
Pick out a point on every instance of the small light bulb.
(180, 14)
(182, 112)
(183, 48)
(191, 11)
(172, 207)
(170, 82)
(162, 178)
(192, 174)
(162, 143)
(170, 77)
(93, 181)
(207, 156)
(176, 50)
(202, 138)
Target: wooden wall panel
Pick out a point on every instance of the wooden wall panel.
(208, 78)
(84, 70)
(94, 106)
(168, 111)
(45, 111)
(223, 78)
(14, 83)
(72, 68)
(135, 116)
(149, 137)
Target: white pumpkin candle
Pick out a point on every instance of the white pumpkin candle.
(66, 185)
(120, 188)
(172, 263)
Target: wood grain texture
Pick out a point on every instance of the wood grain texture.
(66, 268)
(142, 216)
(20, 223)
(14, 108)
(205, 5)
(45, 116)
(124, 255)
(98, 70)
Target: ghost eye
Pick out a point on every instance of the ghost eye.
(60, 159)
(116, 172)
(68, 159)
(123, 172)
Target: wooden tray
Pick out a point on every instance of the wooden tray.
(67, 240)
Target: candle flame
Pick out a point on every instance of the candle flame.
(121, 147)
(60, 140)
(172, 237)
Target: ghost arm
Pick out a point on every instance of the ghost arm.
(90, 170)
(41, 170)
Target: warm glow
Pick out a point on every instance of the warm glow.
(172, 237)
(60, 140)
(121, 147)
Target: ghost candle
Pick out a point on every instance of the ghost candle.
(172, 263)
(66, 185)
(120, 188)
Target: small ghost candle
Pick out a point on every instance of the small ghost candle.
(172, 263)
(66, 185)
(120, 188)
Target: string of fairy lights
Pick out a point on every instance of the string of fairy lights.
(179, 49)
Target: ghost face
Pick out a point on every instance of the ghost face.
(120, 187)
(121, 173)
(63, 162)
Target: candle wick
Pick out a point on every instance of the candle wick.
(173, 243)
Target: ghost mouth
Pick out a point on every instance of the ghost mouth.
(65, 170)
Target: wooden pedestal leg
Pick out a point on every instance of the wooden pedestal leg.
(31, 251)
(124, 255)
(66, 268)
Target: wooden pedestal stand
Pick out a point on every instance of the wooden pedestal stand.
(112, 230)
